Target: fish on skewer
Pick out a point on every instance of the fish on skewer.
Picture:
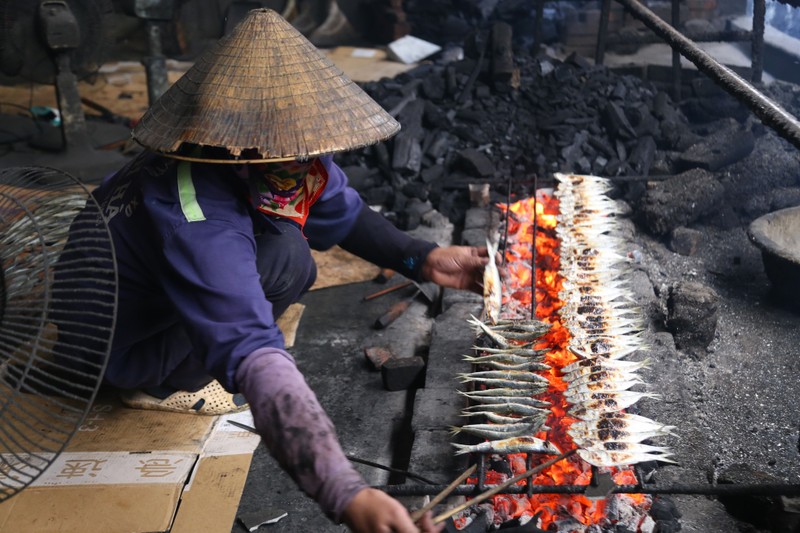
(504, 359)
(495, 431)
(525, 400)
(606, 458)
(587, 439)
(511, 375)
(492, 287)
(521, 324)
(531, 386)
(574, 394)
(530, 366)
(581, 366)
(506, 408)
(622, 421)
(587, 409)
(495, 418)
(599, 371)
(498, 339)
(513, 350)
(526, 444)
(622, 397)
(495, 391)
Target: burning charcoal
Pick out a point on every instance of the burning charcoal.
(692, 316)
(500, 465)
(530, 527)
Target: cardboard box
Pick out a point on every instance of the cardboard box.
(129, 470)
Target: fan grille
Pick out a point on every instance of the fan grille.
(58, 313)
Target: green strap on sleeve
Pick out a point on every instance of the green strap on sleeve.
(187, 194)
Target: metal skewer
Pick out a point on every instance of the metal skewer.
(498, 488)
(416, 515)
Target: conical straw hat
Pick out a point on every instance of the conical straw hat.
(264, 87)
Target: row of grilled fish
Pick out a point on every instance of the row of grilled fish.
(605, 327)
(504, 391)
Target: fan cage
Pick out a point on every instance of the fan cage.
(57, 317)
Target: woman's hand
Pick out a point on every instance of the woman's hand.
(457, 267)
(374, 511)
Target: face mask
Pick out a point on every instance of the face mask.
(287, 189)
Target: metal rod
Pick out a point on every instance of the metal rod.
(508, 217)
(533, 252)
(757, 43)
(676, 56)
(690, 490)
(696, 36)
(498, 488)
(772, 115)
(602, 33)
(416, 515)
(481, 473)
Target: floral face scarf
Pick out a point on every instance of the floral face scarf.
(287, 189)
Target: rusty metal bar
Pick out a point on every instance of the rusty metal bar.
(772, 115)
(696, 36)
(689, 490)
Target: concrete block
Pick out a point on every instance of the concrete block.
(403, 373)
(432, 455)
(437, 409)
(451, 338)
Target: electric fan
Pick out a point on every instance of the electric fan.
(58, 306)
(58, 42)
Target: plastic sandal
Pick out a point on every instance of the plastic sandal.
(210, 400)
